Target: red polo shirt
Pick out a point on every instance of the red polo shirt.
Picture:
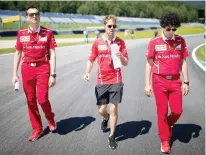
(35, 45)
(101, 50)
(167, 55)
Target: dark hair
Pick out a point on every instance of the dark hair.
(170, 19)
(31, 7)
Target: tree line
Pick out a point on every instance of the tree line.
(141, 9)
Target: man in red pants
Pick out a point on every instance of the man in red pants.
(166, 58)
(38, 69)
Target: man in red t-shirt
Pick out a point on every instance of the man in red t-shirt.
(38, 70)
(166, 58)
(109, 86)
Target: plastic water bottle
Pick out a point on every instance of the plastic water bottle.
(16, 86)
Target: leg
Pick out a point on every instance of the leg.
(175, 100)
(42, 93)
(115, 97)
(161, 97)
(113, 118)
(101, 92)
(103, 111)
(29, 84)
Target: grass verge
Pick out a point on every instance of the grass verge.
(200, 53)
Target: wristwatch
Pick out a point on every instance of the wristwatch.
(53, 75)
(188, 83)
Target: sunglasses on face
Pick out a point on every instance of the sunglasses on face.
(173, 29)
(32, 14)
(110, 26)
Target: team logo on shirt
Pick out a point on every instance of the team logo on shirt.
(43, 38)
(178, 47)
(160, 47)
(102, 47)
(24, 38)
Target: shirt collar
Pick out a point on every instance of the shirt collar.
(164, 38)
(37, 30)
(105, 39)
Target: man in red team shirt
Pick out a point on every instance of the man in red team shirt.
(166, 58)
(38, 69)
(109, 86)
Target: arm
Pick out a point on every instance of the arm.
(124, 60)
(16, 62)
(185, 77)
(148, 71)
(52, 61)
(185, 70)
(122, 54)
(150, 54)
(185, 54)
(52, 80)
(89, 67)
(92, 57)
(147, 89)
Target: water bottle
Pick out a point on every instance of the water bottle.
(16, 86)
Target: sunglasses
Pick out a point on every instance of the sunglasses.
(32, 14)
(173, 29)
(110, 26)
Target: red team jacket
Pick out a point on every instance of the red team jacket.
(101, 50)
(167, 55)
(35, 45)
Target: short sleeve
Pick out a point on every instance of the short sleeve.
(123, 49)
(18, 45)
(150, 54)
(185, 52)
(94, 52)
(52, 41)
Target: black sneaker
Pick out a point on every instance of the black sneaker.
(104, 124)
(112, 142)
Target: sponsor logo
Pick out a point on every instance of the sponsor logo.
(24, 38)
(179, 40)
(168, 56)
(160, 48)
(43, 38)
(178, 47)
(34, 47)
(102, 47)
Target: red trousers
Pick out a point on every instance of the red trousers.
(167, 91)
(35, 82)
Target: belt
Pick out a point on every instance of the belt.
(35, 64)
(170, 77)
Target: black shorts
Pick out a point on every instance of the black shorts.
(109, 93)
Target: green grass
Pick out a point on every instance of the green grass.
(200, 53)
(53, 26)
(7, 50)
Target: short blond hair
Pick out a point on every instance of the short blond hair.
(107, 18)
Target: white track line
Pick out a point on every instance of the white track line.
(195, 58)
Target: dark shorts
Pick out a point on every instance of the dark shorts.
(109, 93)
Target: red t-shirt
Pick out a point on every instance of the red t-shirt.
(101, 50)
(35, 45)
(167, 55)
